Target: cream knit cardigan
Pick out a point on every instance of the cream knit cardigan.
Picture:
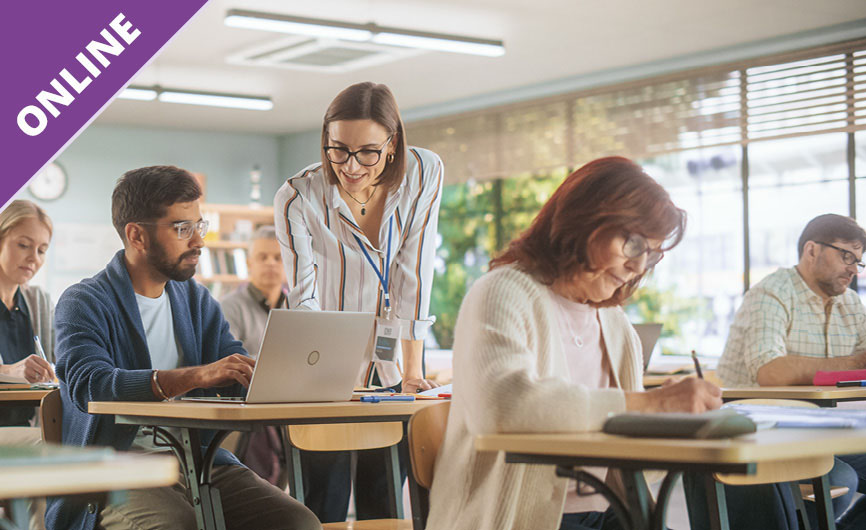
(510, 375)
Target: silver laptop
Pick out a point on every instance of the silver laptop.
(308, 356)
(649, 334)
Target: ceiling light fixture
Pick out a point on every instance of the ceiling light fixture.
(241, 18)
(195, 97)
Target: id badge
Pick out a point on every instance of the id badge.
(387, 337)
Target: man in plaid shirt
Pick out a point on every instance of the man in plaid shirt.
(797, 321)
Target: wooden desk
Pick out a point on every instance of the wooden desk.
(39, 471)
(21, 397)
(190, 416)
(633, 455)
(824, 396)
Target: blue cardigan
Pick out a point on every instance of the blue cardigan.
(102, 355)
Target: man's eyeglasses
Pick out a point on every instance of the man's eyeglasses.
(185, 229)
(365, 157)
(848, 257)
(635, 245)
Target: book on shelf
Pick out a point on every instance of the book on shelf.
(205, 263)
(239, 256)
(223, 266)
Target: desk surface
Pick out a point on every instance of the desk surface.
(762, 446)
(796, 392)
(120, 471)
(22, 394)
(256, 412)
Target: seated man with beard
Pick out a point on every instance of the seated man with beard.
(143, 330)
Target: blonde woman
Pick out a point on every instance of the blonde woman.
(26, 314)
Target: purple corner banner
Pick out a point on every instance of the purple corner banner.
(63, 61)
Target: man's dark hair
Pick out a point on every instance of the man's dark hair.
(144, 194)
(830, 227)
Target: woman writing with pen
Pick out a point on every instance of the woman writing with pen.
(26, 314)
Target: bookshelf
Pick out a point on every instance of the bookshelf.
(222, 265)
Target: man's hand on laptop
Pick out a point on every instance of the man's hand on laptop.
(235, 368)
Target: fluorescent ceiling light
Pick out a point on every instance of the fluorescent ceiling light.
(194, 97)
(240, 18)
(139, 94)
(428, 42)
(215, 100)
(237, 18)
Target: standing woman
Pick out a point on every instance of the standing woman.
(358, 233)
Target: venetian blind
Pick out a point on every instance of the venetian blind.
(806, 92)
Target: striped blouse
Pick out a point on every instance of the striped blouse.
(326, 268)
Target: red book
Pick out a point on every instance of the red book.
(831, 378)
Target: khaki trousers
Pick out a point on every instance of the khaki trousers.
(249, 502)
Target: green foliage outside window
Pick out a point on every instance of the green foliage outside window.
(478, 219)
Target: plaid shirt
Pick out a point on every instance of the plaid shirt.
(781, 315)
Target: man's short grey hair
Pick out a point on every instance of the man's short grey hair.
(262, 232)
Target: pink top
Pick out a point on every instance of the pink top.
(588, 365)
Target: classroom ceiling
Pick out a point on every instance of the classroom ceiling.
(545, 40)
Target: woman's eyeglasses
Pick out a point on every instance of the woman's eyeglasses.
(365, 157)
(635, 245)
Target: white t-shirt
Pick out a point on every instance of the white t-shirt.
(165, 353)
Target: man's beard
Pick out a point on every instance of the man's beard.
(158, 259)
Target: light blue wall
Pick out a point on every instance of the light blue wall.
(101, 154)
(297, 151)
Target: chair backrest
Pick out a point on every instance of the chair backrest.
(785, 470)
(426, 432)
(345, 436)
(51, 417)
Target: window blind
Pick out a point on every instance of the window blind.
(806, 92)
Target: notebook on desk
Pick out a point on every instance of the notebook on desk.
(306, 357)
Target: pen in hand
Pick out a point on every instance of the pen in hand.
(697, 365)
(39, 349)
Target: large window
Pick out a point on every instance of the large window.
(752, 151)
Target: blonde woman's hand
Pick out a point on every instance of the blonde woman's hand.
(33, 368)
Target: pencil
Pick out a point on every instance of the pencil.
(697, 365)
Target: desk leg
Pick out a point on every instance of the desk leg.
(823, 503)
(419, 497)
(717, 506)
(205, 500)
(293, 465)
(395, 485)
(661, 509)
(20, 513)
(637, 494)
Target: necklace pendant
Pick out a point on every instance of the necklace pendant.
(578, 341)
(363, 211)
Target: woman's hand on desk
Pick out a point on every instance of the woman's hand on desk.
(417, 384)
(33, 368)
(687, 395)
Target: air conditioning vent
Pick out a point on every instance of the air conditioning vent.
(321, 55)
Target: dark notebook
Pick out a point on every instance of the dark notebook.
(715, 424)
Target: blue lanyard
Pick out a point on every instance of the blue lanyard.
(383, 279)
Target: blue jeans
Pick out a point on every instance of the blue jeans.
(590, 521)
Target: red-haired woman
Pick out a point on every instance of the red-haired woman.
(542, 345)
